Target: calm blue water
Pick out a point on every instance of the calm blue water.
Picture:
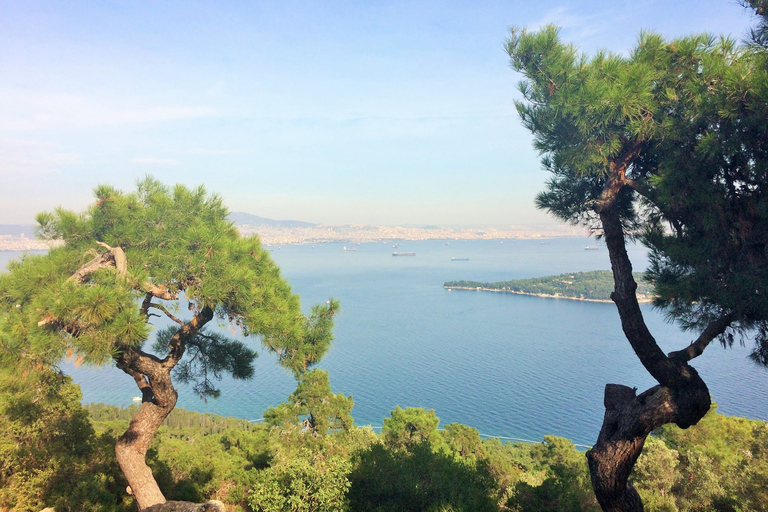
(509, 365)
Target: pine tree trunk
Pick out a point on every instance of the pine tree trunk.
(153, 377)
(681, 398)
(159, 400)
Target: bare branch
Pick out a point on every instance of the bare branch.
(167, 313)
(141, 381)
(159, 291)
(114, 257)
(696, 348)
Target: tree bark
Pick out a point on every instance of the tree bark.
(153, 377)
(681, 397)
(158, 400)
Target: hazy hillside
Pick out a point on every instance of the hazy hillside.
(242, 218)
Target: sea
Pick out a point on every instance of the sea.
(513, 366)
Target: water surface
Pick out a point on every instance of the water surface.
(510, 365)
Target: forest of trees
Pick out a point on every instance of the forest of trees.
(593, 285)
(58, 453)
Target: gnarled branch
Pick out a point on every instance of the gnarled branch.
(114, 257)
(696, 348)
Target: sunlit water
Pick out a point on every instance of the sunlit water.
(509, 365)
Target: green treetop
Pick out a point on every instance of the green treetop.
(313, 406)
(156, 252)
(666, 143)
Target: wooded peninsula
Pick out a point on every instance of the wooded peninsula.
(595, 286)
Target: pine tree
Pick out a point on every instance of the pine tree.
(158, 252)
(667, 144)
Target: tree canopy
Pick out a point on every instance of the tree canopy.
(164, 259)
(668, 144)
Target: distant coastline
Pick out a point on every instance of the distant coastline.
(594, 286)
(21, 238)
(515, 292)
(8, 243)
(544, 295)
(278, 235)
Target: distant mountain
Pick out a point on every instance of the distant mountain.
(242, 218)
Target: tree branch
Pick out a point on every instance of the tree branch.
(145, 304)
(141, 381)
(138, 361)
(114, 257)
(696, 348)
(617, 179)
(158, 290)
(666, 372)
(167, 313)
(179, 340)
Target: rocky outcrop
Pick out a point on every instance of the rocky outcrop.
(187, 506)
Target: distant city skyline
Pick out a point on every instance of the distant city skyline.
(382, 113)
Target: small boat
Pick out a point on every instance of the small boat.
(349, 248)
(137, 399)
(591, 248)
(459, 259)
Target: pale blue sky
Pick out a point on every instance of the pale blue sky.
(329, 111)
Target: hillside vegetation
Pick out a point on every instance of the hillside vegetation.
(595, 285)
(55, 452)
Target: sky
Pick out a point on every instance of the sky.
(333, 112)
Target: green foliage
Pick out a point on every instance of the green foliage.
(594, 285)
(197, 456)
(314, 406)
(759, 34)
(671, 137)
(209, 356)
(419, 479)
(708, 181)
(410, 427)
(158, 251)
(309, 481)
(566, 484)
(655, 474)
(717, 463)
(463, 441)
(177, 242)
(49, 453)
(586, 114)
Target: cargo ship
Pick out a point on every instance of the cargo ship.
(403, 254)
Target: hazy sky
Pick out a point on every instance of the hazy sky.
(328, 111)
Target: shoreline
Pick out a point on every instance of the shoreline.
(542, 295)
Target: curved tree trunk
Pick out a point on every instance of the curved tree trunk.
(158, 400)
(153, 377)
(681, 397)
(131, 451)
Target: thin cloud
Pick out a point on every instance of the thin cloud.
(20, 157)
(580, 24)
(30, 111)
